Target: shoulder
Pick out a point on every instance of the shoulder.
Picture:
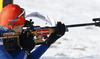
(4, 29)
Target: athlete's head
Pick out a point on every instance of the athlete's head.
(11, 16)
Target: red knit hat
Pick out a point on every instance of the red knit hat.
(9, 16)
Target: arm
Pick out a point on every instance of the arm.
(3, 53)
(38, 52)
(60, 30)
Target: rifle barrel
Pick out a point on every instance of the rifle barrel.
(85, 24)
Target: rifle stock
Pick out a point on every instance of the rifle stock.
(40, 32)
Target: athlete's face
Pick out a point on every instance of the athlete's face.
(17, 28)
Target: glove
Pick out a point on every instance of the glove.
(26, 41)
(59, 32)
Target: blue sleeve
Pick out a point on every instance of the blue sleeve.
(22, 55)
(3, 53)
(37, 53)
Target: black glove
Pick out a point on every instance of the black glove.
(59, 32)
(26, 41)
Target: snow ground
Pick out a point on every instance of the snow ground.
(78, 43)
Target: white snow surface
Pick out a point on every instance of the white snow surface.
(77, 43)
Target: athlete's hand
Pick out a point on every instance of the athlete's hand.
(26, 41)
(59, 32)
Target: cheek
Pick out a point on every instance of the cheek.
(20, 30)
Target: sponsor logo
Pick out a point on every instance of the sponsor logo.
(8, 34)
(43, 32)
(15, 20)
(14, 24)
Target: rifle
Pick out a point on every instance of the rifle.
(41, 32)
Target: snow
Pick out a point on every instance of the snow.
(78, 43)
